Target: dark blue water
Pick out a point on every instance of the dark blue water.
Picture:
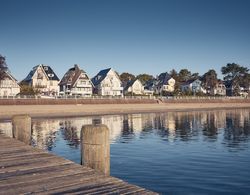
(170, 153)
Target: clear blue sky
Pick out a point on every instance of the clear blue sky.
(136, 36)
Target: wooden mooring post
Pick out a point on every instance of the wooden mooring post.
(21, 128)
(95, 148)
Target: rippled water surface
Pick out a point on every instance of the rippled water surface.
(170, 153)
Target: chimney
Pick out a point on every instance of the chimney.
(76, 67)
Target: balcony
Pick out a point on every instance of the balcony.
(40, 86)
(117, 88)
(87, 85)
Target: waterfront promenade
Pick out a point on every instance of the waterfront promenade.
(67, 110)
(28, 170)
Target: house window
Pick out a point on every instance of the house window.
(50, 75)
(83, 82)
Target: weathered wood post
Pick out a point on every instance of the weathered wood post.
(21, 128)
(96, 148)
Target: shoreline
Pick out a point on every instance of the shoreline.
(78, 110)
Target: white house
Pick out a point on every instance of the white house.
(76, 82)
(134, 87)
(219, 89)
(164, 83)
(8, 85)
(42, 77)
(107, 83)
(193, 85)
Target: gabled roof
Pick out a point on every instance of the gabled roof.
(100, 76)
(7, 74)
(47, 70)
(150, 84)
(189, 81)
(163, 78)
(130, 83)
(72, 75)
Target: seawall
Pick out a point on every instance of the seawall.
(118, 101)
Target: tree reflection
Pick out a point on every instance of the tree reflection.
(228, 127)
(127, 132)
(70, 134)
(210, 130)
(44, 134)
(237, 130)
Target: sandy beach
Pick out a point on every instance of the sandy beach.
(7, 111)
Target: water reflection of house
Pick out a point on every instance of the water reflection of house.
(6, 128)
(135, 120)
(115, 125)
(44, 132)
(75, 124)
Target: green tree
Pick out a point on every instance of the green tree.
(231, 71)
(245, 82)
(26, 89)
(3, 67)
(235, 74)
(144, 78)
(2, 74)
(184, 75)
(209, 80)
(125, 77)
(195, 75)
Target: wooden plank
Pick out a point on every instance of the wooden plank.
(36, 171)
(25, 170)
(84, 187)
(44, 173)
(17, 159)
(45, 184)
(36, 164)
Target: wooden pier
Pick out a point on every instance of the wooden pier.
(28, 170)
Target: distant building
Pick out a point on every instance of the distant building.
(164, 83)
(8, 85)
(76, 82)
(107, 83)
(150, 86)
(193, 85)
(219, 89)
(134, 87)
(43, 78)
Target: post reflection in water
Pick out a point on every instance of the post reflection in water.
(174, 147)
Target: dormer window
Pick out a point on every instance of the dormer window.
(50, 75)
(45, 67)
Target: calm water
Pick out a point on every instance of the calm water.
(170, 153)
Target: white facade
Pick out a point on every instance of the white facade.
(220, 89)
(194, 86)
(108, 83)
(9, 86)
(82, 86)
(44, 79)
(169, 86)
(136, 87)
(76, 82)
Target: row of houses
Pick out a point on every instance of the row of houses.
(76, 82)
